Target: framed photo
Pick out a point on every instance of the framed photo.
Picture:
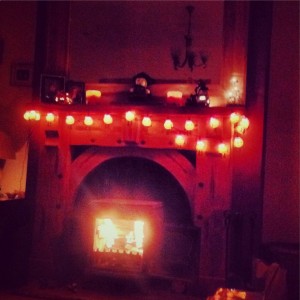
(21, 74)
(52, 88)
(76, 92)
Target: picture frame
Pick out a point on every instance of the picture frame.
(76, 92)
(21, 74)
(52, 88)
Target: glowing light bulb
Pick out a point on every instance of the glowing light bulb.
(37, 116)
(107, 119)
(129, 116)
(50, 117)
(33, 115)
(214, 122)
(238, 142)
(234, 80)
(70, 120)
(179, 140)
(222, 148)
(240, 129)
(168, 124)
(26, 115)
(88, 121)
(244, 122)
(201, 145)
(146, 122)
(234, 118)
(189, 125)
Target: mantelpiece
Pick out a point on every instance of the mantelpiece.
(85, 124)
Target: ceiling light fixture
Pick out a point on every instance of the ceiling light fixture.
(190, 56)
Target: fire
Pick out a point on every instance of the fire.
(108, 232)
(119, 236)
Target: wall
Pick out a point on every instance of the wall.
(17, 31)
(281, 192)
(121, 38)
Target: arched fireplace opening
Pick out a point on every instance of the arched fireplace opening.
(137, 179)
(120, 191)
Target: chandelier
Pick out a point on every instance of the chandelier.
(191, 59)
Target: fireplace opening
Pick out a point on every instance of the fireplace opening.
(132, 216)
(126, 235)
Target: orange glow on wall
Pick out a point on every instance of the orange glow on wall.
(107, 119)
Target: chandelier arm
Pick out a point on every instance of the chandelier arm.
(184, 61)
(190, 57)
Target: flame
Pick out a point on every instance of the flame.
(119, 236)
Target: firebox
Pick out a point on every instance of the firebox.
(124, 235)
(118, 243)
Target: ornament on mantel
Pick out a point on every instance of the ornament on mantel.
(200, 97)
(140, 89)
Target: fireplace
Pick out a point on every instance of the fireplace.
(130, 217)
(135, 182)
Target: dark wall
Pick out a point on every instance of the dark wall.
(15, 241)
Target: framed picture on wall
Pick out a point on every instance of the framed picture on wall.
(21, 74)
(52, 89)
(75, 92)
